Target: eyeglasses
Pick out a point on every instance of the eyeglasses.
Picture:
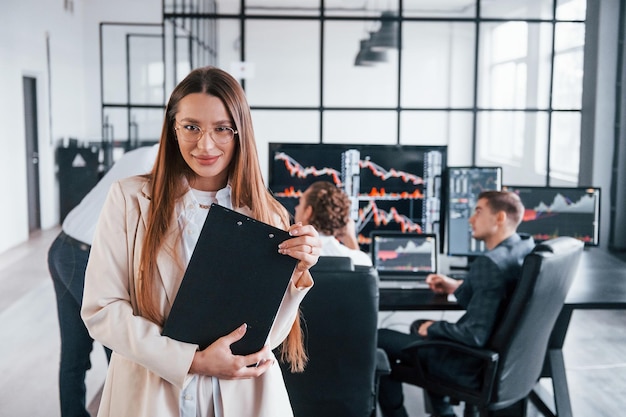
(192, 133)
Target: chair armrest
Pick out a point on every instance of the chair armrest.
(488, 357)
(382, 363)
(480, 353)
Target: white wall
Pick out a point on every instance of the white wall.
(598, 119)
(73, 91)
(23, 53)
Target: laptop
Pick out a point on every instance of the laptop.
(404, 260)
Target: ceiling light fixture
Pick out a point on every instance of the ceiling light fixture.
(367, 56)
(387, 36)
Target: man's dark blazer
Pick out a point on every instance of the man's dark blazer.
(484, 293)
(485, 290)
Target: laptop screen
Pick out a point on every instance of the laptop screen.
(406, 255)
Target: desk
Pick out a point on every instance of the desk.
(600, 283)
(393, 299)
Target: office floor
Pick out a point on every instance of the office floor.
(595, 348)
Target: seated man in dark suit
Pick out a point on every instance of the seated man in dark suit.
(483, 293)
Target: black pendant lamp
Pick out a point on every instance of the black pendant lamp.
(387, 36)
(367, 56)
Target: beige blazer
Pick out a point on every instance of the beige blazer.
(147, 370)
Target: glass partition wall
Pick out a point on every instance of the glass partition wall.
(498, 83)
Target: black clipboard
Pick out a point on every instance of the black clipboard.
(235, 276)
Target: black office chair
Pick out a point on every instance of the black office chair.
(340, 320)
(508, 368)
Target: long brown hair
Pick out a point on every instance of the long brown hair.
(246, 181)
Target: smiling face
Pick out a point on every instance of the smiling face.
(207, 159)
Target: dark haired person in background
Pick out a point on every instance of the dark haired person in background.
(483, 293)
(67, 260)
(327, 208)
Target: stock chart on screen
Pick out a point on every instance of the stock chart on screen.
(464, 186)
(560, 211)
(392, 187)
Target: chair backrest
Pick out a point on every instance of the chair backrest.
(522, 337)
(340, 316)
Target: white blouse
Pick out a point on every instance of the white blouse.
(200, 396)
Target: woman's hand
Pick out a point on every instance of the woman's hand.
(218, 360)
(305, 245)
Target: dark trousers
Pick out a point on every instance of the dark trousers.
(390, 395)
(67, 261)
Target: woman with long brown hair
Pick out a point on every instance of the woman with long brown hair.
(145, 236)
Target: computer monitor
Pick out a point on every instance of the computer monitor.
(392, 187)
(464, 186)
(397, 255)
(560, 211)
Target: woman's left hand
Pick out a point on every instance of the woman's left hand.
(305, 245)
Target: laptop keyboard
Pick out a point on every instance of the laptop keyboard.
(404, 285)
